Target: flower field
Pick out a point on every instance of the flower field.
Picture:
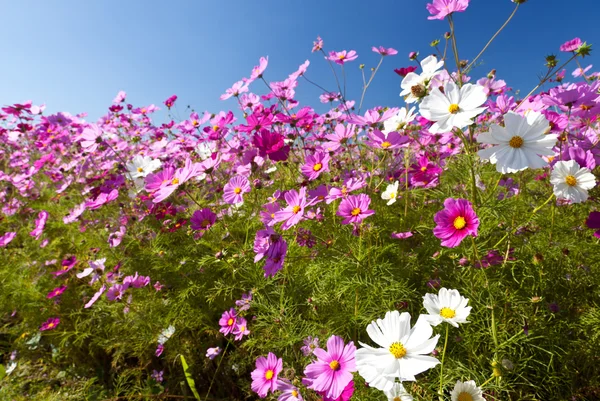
(442, 248)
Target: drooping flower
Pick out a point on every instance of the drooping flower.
(454, 108)
(455, 222)
(227, 321)
(466, 391)
(235, 188)
(355, 208)
(391, 193)
(572, 182)
(315, 164)
(264, 377)
(50, 324)
(402, 353)
(332, 371)
(519, 144)
(384, 51)
(439, 9)
(446, 306)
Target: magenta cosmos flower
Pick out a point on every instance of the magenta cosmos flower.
(439, 9)
(228, 321)
(7, 238)
(264, 377)
(315, 164)
(342, 57)
(50, 324)
(593, 222)
(571, 45)
(294, 211)
(40, 223)
(332, 371)
(235, 188)
(203, 219)
(455, 222)
(355, 208)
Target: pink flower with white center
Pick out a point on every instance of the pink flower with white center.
(40, 223)
(455, 222)
(355, 208)
(233, 191)
(90, 138)
(342, 57)
(228, 321)
(294, 211)
(332, 371)
(439, 9)
(315, 164)
(241, 329)
(264, 377)
(385, 52)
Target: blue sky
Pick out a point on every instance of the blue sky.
(76, 55)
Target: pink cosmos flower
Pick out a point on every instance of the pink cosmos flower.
(7, 238)
(211, 353)
(342, 57)
(289, 392)
(203, 219)
(50, 324)
(270, 144)
(241, 329)
(75, 213)
(116, 292)
(332, 371)
(264, 377)
(439, 9)
(317, 44)
(56, 292)
(90, 138)
(257, 71)
(403, 235)
(372, 117)
(571, 45)
(181, 176)
(115, 238)
(275, 257)
(341, 135)
(102, 199)
(455, 222)
(235, 90)
(120, 97)
(228, 321)
(244, 303)
(235, 188)
(294, 211)
(170, 102)
(593, 222)
(384, 52)
(315, 164)
(390, 141)
(96, 296)
(355, 208)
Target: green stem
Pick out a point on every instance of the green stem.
(455, 50)
(441, 388)
(217, 371)
(487, 381)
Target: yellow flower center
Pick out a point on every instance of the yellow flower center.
(447, 313)
(397, 398)
(50, 325)
(459, 223)
(295, 393)
(140, 170)
(242, 328)
(144, 110)
(269, 374)
(515, 142)
(334, 365)
(453, 108)
(398, 350)
(296, 209)
(175, 181)
(571, 180)
(230, 322)
(215, 127)
(341, 56)
(464, 396)
(195, 123)
(424, 168)
(272, 215)
(386, 145)
(355, 211)
(317, 167)
(392, 195)
(237, 190)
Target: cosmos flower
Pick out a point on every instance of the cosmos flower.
(292, 214)
(235, 189)
(315, 164)
(227, 321)
(342, 57)
(446, 306)
(289, 392)
(455, 222)
(391, 193)
(571, 45)
(211, 353)
(572, 182)
(141, 166)
(50, 324)
(264, 377)
(203, 219)
(464, 391)
(593, 222)
(439, 9)
(399, 121)
(241, 328)
(355, 208)
(7, 238)
(398, 393)
(414, 86)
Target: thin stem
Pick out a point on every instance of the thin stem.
(550, 73)
(472, 63)
(441, 388)
(217, 371)
(455, 49)
(366, 86)
(487, 381)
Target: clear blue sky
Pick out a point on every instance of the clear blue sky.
(76, 55)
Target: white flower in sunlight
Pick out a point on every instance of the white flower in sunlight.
(141, 166)
(166, 334)
(399, 121)
(10, 367)
(403, 352)
(398, 393)
(572, 181)
(391, 193)
(467, 391)
(519, 144)
(446, 306)
(454, 108)
(414, 86)
(206, 149)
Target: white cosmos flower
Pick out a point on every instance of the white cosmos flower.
(446, 306)
(398, 393)
(167, 333)
(141, 166)
(519, 144)
(206, 149)
(403, 352)
(454, 108)
(391, 193)
(414, 86)
(399, 121)
(572, 181)
(467, 391)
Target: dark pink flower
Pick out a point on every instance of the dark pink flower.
(571, 45)
(439, 9)
(7, 238)
(50, 324)
(593, 221)
(271, 144)
(405, 70)
(455, 222)
(228, 321)
(56, 292)
(170, 101)
(203, 219)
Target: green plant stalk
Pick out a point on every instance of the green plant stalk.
(441, 388)
(216, 371)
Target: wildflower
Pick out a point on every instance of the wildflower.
(355, 208)
(399, 121)
(385, 52)
(439, 9)
(275, 257)
(141, 166)
(271, 144)
(170, 102)
(398, 393)
(116, 292)
(464, 391)
(227, 321)
(332, 371)
(340, 137)
(403, 352)
(211, 353)
(404, 235)
(315, 164)
(235, 188)
(244, 303)
(257, 71)
(571, 45)
(453, 108)
(241, 328)
(56, 292)
(455, 222)
(235, 90)
(414, 86)
(102, 199)
(317, 44)
(264, 377)
(405, 70)
(40, 223)
(310, 344)
(593, 222)
(389, 141)
(159, 350)
(158, 376)
(203, 219)
(342, 57)
(166, 334)
(50, 324)
(446, 306)
(292, 214)
(519, 144)
(90, 138)
(7, 238)
(305, 238)
(391, 193)
(96, 296)
(572, 182)
(289, 392)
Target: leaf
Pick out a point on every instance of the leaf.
(2, 372)
(189, 378)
